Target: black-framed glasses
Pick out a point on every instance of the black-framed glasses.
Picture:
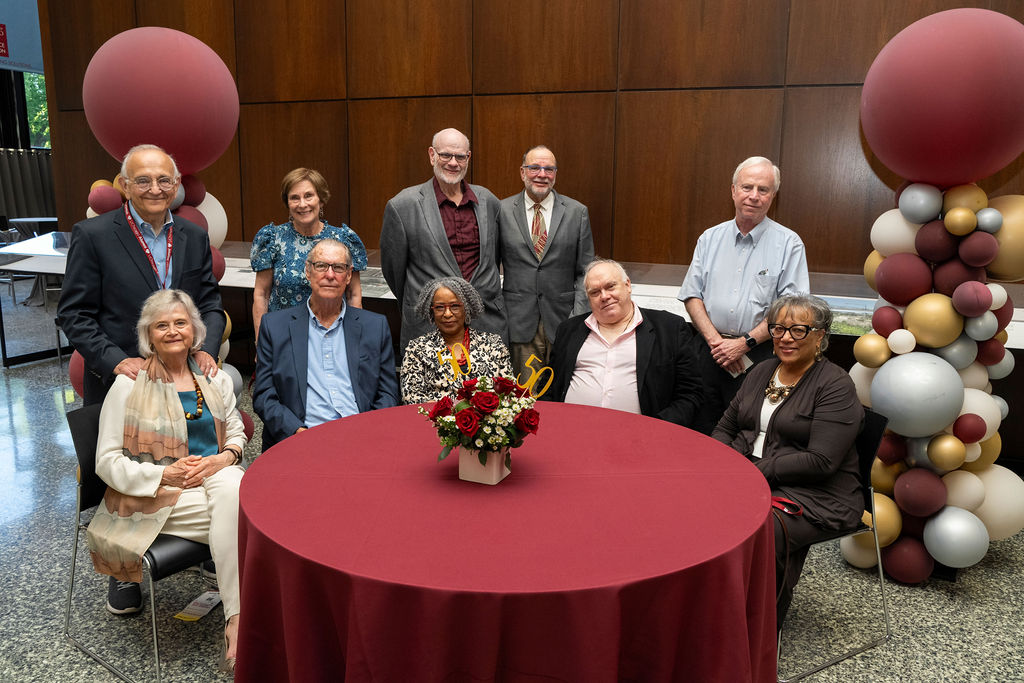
(439, 309)
(797, 332)
(448, 156)
(165, 183)
(534, 169)
(338, 268)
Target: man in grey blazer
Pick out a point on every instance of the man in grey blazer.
(545, 246)
(443, 228)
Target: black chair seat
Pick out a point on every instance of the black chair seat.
(170, 554)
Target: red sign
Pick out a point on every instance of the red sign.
(3, 41)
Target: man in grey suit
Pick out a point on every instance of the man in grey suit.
(545, 247)
(443, 228)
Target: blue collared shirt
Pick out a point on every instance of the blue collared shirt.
(157, 243)
(738, 276)
(329, 393)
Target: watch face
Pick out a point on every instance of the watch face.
(751, 342)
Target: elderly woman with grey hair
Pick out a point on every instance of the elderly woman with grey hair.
(436, 363)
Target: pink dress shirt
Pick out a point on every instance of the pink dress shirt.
(605, 372)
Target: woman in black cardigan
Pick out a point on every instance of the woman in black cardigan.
(797, 418)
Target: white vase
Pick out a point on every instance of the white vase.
(470, 468)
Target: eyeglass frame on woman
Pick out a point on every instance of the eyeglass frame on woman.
(145, 182)
(322, 266)
(790, 329)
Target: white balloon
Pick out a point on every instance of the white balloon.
(89, 213)
(894, 234)
(964, 490)
(1003, 509)
(999, 296)
(981, 404)
(901, 341)
(974, 376)
(216, 218)
(1002, 368)
(862, 376)
(973, 452)
(856, 554)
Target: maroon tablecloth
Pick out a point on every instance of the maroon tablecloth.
(620, 548)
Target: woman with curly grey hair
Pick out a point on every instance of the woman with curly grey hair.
(435, 363)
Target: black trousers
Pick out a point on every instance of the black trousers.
(719, 385)
(788, 565)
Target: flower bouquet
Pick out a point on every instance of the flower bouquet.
(487, 417)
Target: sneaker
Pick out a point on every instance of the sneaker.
(123, 597)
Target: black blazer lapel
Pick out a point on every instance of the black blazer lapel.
(181, 245)
(124, 235)
(644, 348)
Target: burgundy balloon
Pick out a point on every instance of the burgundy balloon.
(978, 249)
(1004, 313)
(892, 449)
(901, 278)
(990, 351)
(247, 426)
(191, 213)
(76, 372)
(941, 102)
(104, 198)
(934, 243)
(190, 109)
(195, 190)
(886, 320)
(913, 526)
(218, 263)
(907, 560)
(969, 428)
(919, 492)
(953, 273)
(972, 298)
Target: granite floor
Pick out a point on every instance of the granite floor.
(966, 630)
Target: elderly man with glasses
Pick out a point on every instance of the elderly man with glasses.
(118, 259)
(445, 227)
(322, 360)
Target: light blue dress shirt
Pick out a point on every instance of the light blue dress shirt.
(329, 393)
(157, 243)
(738, 276)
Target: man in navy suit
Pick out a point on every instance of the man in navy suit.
(118, 259)
(323, 359)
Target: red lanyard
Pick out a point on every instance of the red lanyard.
(145, 247)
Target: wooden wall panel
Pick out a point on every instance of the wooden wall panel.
(672, 44)
(675, 152)
(579, 129)
(224, 181)
(78, 161)
(290, 51)
(402, 49)
(544, 45)
(831, 194)
(211, 21)
(821, 50)
(274, 139)
(388, 142)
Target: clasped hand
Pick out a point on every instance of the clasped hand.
(190, 471)
(728, 353)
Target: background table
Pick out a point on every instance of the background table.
(620, 548)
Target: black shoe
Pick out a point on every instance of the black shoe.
(123, 597)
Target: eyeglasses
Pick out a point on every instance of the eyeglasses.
(440, 308)
(322, 266)
(448, 156)
(534, 169)
(797, 332)
(145, 182)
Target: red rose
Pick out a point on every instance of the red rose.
(522, 392)
(485, 401)
(441, 408)
(467, 421)
(503, 385)
(468, 388)
(527, 421)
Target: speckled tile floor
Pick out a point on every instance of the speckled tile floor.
(967, 630)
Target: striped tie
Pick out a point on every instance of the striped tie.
(538, 231)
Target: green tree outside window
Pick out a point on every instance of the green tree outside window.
(35, 104)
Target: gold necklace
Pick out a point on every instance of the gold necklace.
(778, 392)
(199, 402)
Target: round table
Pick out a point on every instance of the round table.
(620, 548)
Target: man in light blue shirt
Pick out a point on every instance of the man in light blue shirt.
(322, 360)
(739, 267)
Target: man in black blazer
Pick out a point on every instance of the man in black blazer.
(322, 359)
(118, 259)
(625, 357)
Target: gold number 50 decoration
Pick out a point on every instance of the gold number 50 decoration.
(457, 370)
(535, 374)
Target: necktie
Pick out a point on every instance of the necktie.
(538, 231)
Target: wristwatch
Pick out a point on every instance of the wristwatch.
(751, 342)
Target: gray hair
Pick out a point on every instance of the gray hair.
(463, 291)
(534, 149)
(821, 314)
(600, 262)
(146, 148)
(161, 302)
(328, 242)
(758, 161)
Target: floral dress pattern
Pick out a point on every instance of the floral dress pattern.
(284, 249)
(424, 379)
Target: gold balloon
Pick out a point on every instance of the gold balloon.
(989, 452)
(100, 183)
(117, 184)
(883, 477)
(1009, 262)
(933, 320)
(871, 350)
(227, 328)
(946, 451)
(967, 196)
(1002, 336)
(960, 221)
(890, 523)
(870, 266)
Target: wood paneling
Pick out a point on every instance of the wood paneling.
(78, 161)
(388, 142)
(831, 192)
(211, 21)
(823, 50)
(577, 127)
(402, 49)
(274, 139)
(675, 152)
(223, 181)
(290, 51)
(544, 45)
(701, 43)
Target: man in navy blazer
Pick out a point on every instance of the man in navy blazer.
(625, 357)
(118, 259)
(322, 359)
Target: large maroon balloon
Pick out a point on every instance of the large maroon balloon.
(953, 273)
(104, 198)
(941, 102)
(218, 263)
(934, 243)
(180, 96)
(901, 278)
(919, 492)
(892, 449)
(978, 249)
(191, 213)
(907, 560)
(972, 298)
(76, 373)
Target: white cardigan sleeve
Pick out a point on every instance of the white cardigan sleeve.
(118, 471)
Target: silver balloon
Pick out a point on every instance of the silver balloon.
(1002, 368)
(179, 197)
(1004, 407)
(920, 203)
(920, 393)
(917, 455)
(236, 378)
(982, 327)
(960, 353)
(990, 220)
(956, 537)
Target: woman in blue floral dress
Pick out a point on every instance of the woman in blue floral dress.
(279, 252)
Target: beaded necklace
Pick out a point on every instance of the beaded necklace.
(199, 402)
